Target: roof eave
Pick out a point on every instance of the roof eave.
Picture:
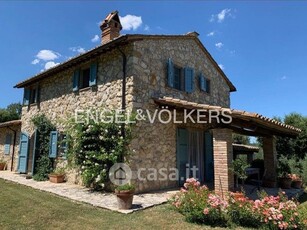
(74, 61)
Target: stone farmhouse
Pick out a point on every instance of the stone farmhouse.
(145, 72)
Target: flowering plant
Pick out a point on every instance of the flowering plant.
(94, 147)
(200, 205)
(295, 177)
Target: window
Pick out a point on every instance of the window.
(31, 95)
(7, 145)
(85, 77)
(180, 78)
(204, 83)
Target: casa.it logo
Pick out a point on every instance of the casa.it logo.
(120, 174)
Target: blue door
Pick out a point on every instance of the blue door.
(209, 167)
(182, 154)
(23, 153)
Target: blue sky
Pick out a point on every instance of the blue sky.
(261, 45)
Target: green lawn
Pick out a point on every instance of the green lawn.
(26, 208)
(22, 207)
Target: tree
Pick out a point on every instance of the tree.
(11, 112)
(290, 147)
(241, 139)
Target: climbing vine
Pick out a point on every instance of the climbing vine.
(95, 146)
(42, 162)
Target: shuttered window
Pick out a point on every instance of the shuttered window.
(31, 95)
(180, 78)
(7, 145)
(53, 146)
(85, 77)
(204, 83)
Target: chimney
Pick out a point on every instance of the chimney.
(110, 27)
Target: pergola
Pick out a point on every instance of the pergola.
(246, 123)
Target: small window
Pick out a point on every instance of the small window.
(178, 78)
(204, 83)
(33, 96)
(7, 145)
(84, 78)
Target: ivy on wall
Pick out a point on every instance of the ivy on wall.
(42, 162)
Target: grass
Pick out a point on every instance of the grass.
(22, 207)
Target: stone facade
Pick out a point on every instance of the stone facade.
(154, 145)
(13, 152)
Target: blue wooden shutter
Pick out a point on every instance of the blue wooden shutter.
(76, 78)
(7, 145)
(93, 74)
(203, 83)
(23, 153)
(189, 79)
(53, 148)
(170, 73)
(26, 96)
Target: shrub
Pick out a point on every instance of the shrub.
(241, 211)
(43, 165)
(43, 168)
(200, 205)
(94, 147)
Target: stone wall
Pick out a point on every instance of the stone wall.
(153, 145)
(59, 103)
(8, 157)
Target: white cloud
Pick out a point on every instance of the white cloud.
(212, 33)
(131, 22)
(95, 38)
(50, 64)
(222, 66)
(146, 28)
(219, 45)
(221, 16)
(78, 49)
(284, 77)
(35, 61)
(47, 55)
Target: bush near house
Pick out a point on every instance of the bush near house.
(95, 146)
(200, 205)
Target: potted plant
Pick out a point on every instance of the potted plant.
(284, 172)
(124, 194)
(2, 164)
(238, 167)
(57, 176)
(296, 181)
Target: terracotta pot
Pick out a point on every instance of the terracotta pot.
(269, 184)
(124, 199)
(2, 166)
(285, 182)
(56, 178)
(297, 184)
